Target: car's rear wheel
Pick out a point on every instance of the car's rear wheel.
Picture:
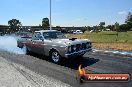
(55, 57)
(25, 50)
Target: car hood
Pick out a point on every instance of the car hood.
(71, 41)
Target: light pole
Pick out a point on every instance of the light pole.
(50, 16)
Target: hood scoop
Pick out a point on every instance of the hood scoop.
(72, 39)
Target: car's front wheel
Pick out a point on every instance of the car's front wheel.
(80, 56)
(55, 57)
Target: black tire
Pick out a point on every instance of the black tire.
(80, 56)
(25, 49)
(55, 57)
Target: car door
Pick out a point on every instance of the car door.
(38, 43)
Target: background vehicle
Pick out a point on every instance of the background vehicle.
(78, 32)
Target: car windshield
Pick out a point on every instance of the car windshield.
(53, 35)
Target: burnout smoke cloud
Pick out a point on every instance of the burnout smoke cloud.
(9, 43)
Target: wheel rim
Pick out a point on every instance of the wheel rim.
(55, 57)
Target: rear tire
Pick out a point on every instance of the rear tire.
(25, 50)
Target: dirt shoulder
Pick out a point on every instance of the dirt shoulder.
(116, 46)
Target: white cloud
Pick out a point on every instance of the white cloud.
(122, 12)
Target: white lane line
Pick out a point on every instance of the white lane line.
(113, 51)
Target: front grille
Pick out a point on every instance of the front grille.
(78, 47)
(89, 45)
(83, 45)
(72, 50)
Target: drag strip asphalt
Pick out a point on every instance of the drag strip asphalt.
(93, 62)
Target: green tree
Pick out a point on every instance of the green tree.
(14, 25)
(101, 26)
(97, 28)
(58, 28)
(89, 28)
(129, 17)
(124, 27)
(116, 26)
(109, 27)
(45, 22)
(129, 20)
(84, 29)
(113, 27)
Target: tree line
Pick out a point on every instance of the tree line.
(15, 25)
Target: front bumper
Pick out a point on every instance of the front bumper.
(77, 53)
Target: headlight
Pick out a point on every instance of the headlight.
(74, 48)
(90, 44)
(87, 45)
(69, 49)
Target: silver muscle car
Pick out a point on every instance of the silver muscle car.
(54, 44)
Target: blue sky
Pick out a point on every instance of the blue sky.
(65, 12)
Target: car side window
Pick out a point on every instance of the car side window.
(37, 36)
(46, 35)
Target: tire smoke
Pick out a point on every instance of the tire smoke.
(9, 43)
